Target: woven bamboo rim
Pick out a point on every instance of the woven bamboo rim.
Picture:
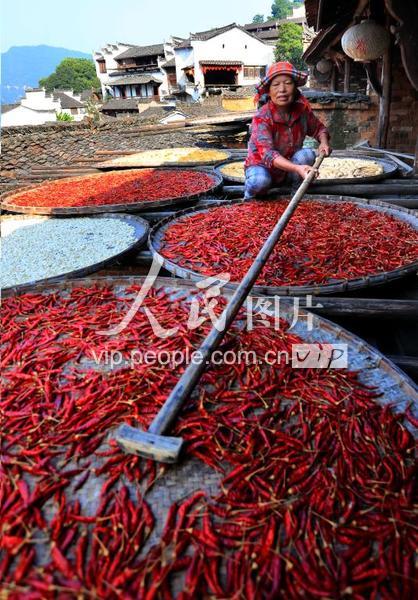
(106, 166)
(376, 369)
(132, 207)
(141, 229)
(409, 216)
(389, 169)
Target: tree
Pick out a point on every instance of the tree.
(289, 45)
(280, 9)
(258, 18)
(77, 74)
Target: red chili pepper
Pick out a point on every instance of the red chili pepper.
(321, 244)
(122, 187)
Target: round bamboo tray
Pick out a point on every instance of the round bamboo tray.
(376, 369)
(131, 207)
(389, 170)
(141, 229)
(183, 479)
(229, 178)
(409, 216)
(144, 162)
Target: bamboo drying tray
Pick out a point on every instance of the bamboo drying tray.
(409, 216)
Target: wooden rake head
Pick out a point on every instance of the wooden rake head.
(161, 448)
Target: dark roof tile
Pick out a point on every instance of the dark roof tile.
(6, 107)
(169, 63)
(121, 104)
(134, 80)
(66, 100)
(138, 51)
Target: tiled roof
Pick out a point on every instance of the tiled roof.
(138, 51)
(66, 100)
(184, 44)
(87, 94)
(255, 26)
(157, 111)
(169, 63)
(6, 107)
(134, 80)
(211, 33)
(267, 35)
(221, 62)
(121, 104)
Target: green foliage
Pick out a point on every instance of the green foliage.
(289, 45)
(77, 74)
(62, 116)
(280, 9)
(258, 18)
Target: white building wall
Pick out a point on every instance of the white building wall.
(108, 53)
(21, 115)
(184, 58)
(79, 116)
(37, 100)
(232, 45)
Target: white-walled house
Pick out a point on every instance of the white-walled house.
(138, 72)
(104, 60)
(39, 107)
(268, 31)
(223, 57)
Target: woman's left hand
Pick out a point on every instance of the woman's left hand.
(324, 148)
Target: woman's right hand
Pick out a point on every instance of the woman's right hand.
(304, 170)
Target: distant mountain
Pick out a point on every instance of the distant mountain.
(25, 65)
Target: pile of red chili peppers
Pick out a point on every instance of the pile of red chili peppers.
(322, 243)
(317, 479)
(121, 187)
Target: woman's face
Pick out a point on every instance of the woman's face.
(282, 90)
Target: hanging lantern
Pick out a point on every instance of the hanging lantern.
(324, 66)
(366, 41)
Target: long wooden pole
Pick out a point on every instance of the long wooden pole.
(416, 160)
(194, 371)
(385, 99)
(347, 66)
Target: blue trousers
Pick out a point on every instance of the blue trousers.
(258, 179)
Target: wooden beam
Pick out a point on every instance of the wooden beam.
(319, 15)
(379, 308)
(402, 187)
(385, 99)
(347, 68)
(416, 160)
(333, 84)
(405, 362)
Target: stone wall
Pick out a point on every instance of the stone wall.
(403, 119)
(63, 144)
(348, 122)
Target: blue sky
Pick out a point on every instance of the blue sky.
(86, 25)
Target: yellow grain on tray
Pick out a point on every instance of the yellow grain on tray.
(234, 169)
(154, 158)
(347, 168)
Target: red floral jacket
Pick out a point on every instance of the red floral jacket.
(274, 133)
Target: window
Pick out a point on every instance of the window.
(245, 46)
(74, 111)
(254, 72)
(223, 45)
(102, 66)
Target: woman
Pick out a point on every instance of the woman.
(275, 152)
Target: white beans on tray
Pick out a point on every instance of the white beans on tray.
(42, 247)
